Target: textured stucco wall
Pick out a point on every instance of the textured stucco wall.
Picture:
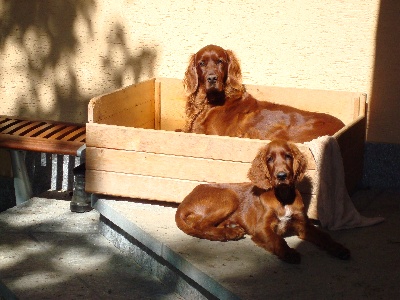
(56, 55)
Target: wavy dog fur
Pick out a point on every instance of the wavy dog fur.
(266, 208)
(218, 104)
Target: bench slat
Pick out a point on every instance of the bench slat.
(60, 134)
(41, 136)
(28, 128)
(74, 135)
(39, 145)
(16, 127)
(32, 132)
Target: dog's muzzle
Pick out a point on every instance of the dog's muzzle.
(282, 176)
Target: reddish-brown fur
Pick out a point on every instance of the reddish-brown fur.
(266, 208)
(218, 104)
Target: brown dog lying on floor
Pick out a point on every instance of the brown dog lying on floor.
(266, 208)
(218, 104)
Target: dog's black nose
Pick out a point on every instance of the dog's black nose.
(212, 78)
(281, 176)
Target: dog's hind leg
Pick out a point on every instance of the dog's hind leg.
(277, 245)
(205, 214)
(324, 241)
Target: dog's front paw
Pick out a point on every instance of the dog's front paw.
(342, 253)
(234, 233)
(292, 256)
(339, 251)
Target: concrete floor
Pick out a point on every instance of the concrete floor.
(242, 270)
(47, 252)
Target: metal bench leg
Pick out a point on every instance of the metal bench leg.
(22, 185)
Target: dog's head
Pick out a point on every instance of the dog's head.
(278, 163)
(213, 70)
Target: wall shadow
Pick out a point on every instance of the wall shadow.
(128, 66)
(45, 33)
(382, 155)
(46, 36)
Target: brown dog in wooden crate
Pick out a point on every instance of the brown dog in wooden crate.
(218, 104)
(267, 208)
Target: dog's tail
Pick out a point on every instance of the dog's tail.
(181, 219)
(187, 222)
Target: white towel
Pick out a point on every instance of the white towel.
(334, 205)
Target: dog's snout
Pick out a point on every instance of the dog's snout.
(281, 176)
(212, 78)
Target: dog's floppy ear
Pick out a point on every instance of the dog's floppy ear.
(234, 78)
(190, 81)
(258, 172)
(299, 162)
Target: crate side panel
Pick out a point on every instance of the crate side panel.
(311, 205)
(130, 106)
(138, 186)
(173, 103)
(177, 167)
(336, 103)
(156, 188)
(351, 142)
(167, 166)
(178, 143)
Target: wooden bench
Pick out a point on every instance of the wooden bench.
(22, 134)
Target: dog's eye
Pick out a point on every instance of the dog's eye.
(270, 160)
(220, 61)
(202, 63)
(288, 157)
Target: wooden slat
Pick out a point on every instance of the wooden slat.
(18, 119)
(351, 142)
(41, 136)
(75, 135)
(156, 188)
(7, 123)
(178, 143)
(39, 144)
(15, 127)
(58, 135)
(170, 166)
(172, 103)
(130, 106)
(32, 125)
(337, 103)
(157, 105)
(311, 205)
(81, 138)
(34, 132)
(51, 130)
(138, 186)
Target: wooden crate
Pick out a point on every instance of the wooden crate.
(133, 149)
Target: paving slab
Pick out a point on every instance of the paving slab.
(48, 252)
(241, 270)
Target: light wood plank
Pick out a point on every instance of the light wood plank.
(156, 188)
(129, 106)
(138, 186)
(173, 103)
(178, 143)
(336, 103)
(170, 166)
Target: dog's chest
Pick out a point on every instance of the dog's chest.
(284, 216)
